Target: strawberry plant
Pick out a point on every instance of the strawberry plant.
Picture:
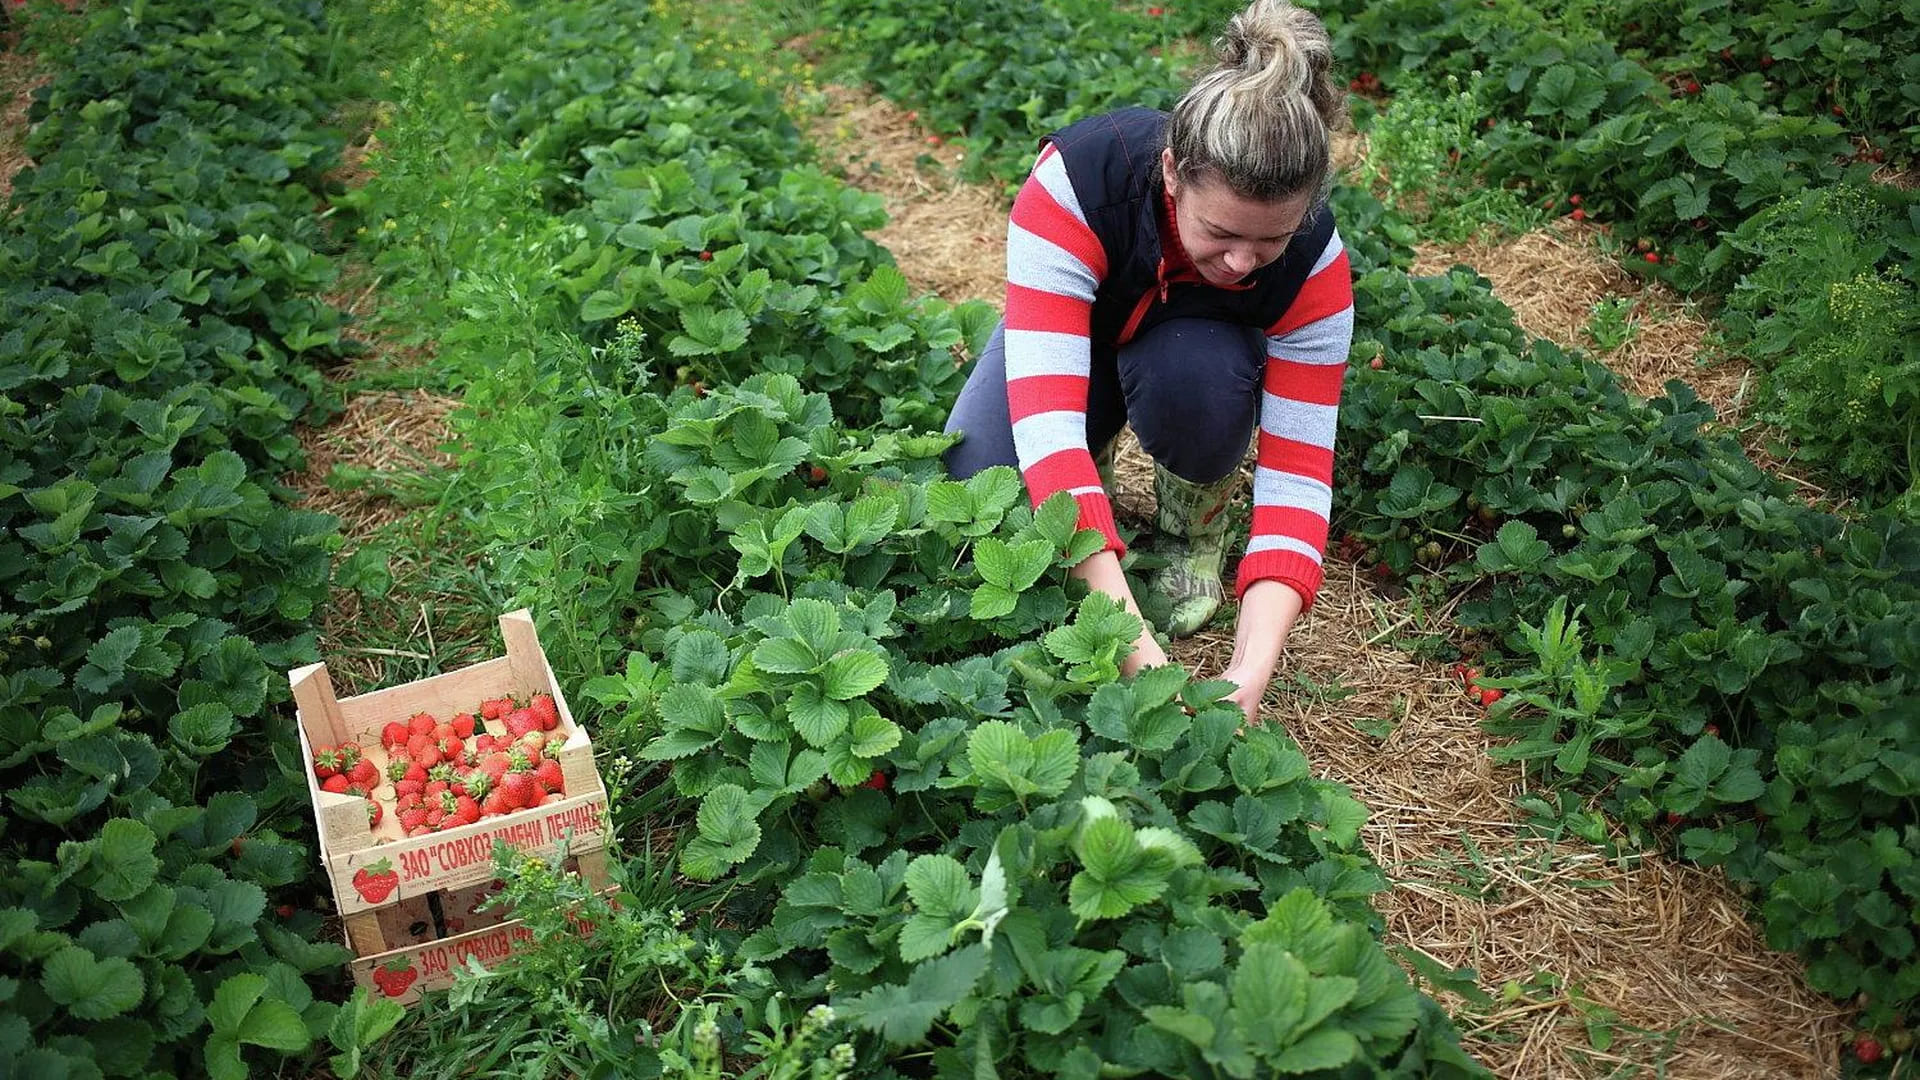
(161, 260)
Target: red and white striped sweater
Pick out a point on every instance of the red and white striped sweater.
(1055, 263)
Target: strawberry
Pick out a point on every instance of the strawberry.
(403, 788)
(420, 724)
(521, 721)
(413, 819)
(483, 742)
(544, 707)
(1574, 198)
(463, 726)
(393, 978)
(394, 734)
(1578, 215)
(548, 775)
(816, 476)
(706, 256)
(495, 803)
(1675, 819)
(285, 911)
(374, 813)
(326, 762)
(424, 750)
(350, 755)
(361, 790)
(337, 783)
(1713, 730)
(1489, 695)
(536, 798)
(478, 784)
(519, 788)
(397, 769)
(496, 765)
(1867, 1049)
(376, 881)
(1653, 257)
(450, 747)
(496, 709)
(364, 773)
(1377, 363)
(466, 810)
(878, 781)
(1693, 87)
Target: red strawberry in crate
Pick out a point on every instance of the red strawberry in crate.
(519, 788)
(413, 819)
(394, 977)
(495, 804)
(424, 750)
(337, 783)
(421, 723)
(537, 798)
(463, 725)
(450, 747)
(397, 769)
(521, 721)
(466, 809)
(374, 813)
(543, 706)
(483, 742)
(376, 881)
(361, 790)
(364, 773)
(394, 734)
(326, 762)
(350, 755)
(547, 774)
(496, 709)
(523, 759)
(404, 788)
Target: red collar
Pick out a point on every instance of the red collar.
(1175, 263)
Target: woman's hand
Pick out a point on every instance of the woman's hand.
(1101, 571)
(1267, 613)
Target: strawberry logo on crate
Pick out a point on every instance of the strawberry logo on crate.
(488, 948)
(393, 978)
(376, 881)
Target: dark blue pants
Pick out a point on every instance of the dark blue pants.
(1189, 387)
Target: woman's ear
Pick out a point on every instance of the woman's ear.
(1169, 176)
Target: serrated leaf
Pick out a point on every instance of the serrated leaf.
(854, 673)
(90, 988)
(123, 860)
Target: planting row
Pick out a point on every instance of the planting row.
(158, 267)
(888, 722)
(1677, 629)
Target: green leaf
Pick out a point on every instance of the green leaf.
(939, 885)
(89, 988)
(1324, 1049)
(1119, 874)
(123, 859)
(357, 1025)
(903, 1014)
(990, 601)
(728, 833)
(854, 673)
(785, 656)
(873, 735)
(204, 729)
(818, 719)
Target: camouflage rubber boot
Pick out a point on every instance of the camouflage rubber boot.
(1192, 524)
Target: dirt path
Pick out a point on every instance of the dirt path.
(1651, 959)
(20, 76)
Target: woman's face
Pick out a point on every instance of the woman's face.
(1228, 236)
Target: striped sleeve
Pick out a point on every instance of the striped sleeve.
(1299, 404)
(1054, 264)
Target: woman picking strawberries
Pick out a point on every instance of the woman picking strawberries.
(1182, 273)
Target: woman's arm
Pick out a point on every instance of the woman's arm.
(1101, 571)
(1267, 612)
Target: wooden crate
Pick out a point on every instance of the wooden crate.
(405, 972)
(376, 871)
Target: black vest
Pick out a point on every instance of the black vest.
(1113, 161)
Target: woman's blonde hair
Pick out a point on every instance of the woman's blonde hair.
(1262, 120)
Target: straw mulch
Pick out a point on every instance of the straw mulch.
(380, 432)
(949, 236)
(1666, 947)
(19, 78)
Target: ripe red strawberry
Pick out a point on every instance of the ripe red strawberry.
(424, 750)
(463, 726)
(434, 789)
(326, 761)
(361, 790)
(1653, 257)
(350, 755)
(420, 724)
(1377, 363)
(547, 774)
(1867, 1049)
(478, 784)
(397, 768)
(1578, 215)
(436, 818)
(413, 819)
(496, 708)
(521, 721)
(285, 911)
(1693, 87)
(450, 747)
(1574, 198)
(374, 813)
(337, 783)
(483, 742)
(364, 773)
(495, 766)
(878, 781)
(466, 810)
(1489, 695)
(403, 788)
(496, 803)
(376, 881)
(394, 734)
(1713, 730)
(519, 788)
(544, 707)
(1675, 819)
